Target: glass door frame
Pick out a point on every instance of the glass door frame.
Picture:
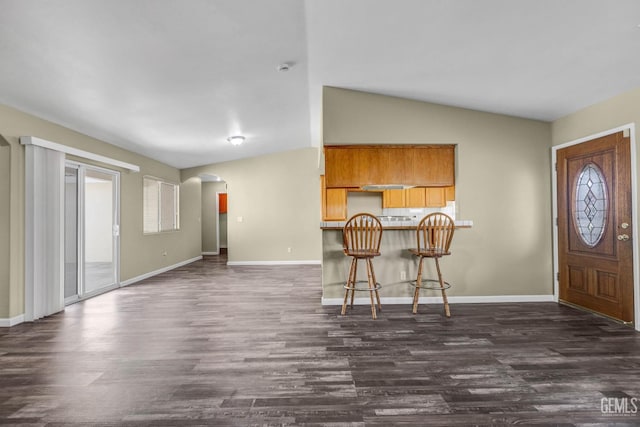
(115, 232)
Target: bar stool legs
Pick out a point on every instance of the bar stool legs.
(350, 287)
(443, 287)
(416, 293)
(373, 288)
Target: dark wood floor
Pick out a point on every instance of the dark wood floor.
(208, 344)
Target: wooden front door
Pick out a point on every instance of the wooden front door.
(594, 226)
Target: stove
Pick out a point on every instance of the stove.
(393, 218)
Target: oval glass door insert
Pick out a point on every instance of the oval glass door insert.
(591, 204)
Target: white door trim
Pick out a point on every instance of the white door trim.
(634, 212)
(218, 193)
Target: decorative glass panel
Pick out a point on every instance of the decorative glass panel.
(591, 204)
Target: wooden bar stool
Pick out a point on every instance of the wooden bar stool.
(361, 240)
(434, 234)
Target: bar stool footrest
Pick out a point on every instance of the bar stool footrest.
(432, 284)
(377, 286)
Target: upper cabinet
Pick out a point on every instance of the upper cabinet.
(418, 197)
(348, 166)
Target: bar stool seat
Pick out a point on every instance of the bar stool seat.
(361, 236)
(433, 240)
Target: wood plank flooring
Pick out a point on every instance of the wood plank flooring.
(209, 344)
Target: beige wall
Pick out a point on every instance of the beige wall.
(140, 254)
(209, 217)
(278, 197)
(502, 184)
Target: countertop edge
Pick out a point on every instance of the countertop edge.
(338, 225)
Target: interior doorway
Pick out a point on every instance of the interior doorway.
(221, 222)
(596, 262)
(91, 231)
(214, 215)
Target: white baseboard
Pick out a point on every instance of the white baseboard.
(299, 262)
(210, 253)
(156, 272)
(11, 321)
(452, 299)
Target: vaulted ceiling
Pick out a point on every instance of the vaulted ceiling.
(172, 79)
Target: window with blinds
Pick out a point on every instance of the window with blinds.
(161, 205)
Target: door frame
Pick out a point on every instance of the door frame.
(630, 127)
(82, 168)
(218, 222)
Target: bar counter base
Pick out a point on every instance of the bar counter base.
(452, 300)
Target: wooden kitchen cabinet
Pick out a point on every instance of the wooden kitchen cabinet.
(450, 193)
(415, 197)
(334, 202)
(435, 197)
(393, 199)
(352, 166)
(371, 165)
(418, 197)
(342, 167)
(433, 166)
(336, 205)
(400, 164)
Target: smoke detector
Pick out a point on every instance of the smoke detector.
(284, 67)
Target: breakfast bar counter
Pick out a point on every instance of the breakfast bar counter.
(394, 268)
(391, 224)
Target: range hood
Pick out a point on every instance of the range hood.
(380, 187)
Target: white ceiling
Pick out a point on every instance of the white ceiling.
(172, 79)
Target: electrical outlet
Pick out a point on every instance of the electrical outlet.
(289, 250)
(164, 253)
(403, 275)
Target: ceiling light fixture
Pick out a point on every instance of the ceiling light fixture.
(236, 139)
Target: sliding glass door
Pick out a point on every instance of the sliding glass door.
(91, 231)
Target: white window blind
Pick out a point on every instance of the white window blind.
(161, 205)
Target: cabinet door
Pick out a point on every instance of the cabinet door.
(371, 165)
(433, 166)
(336, 204)
(435, 197)
(450, 193)
(341, 167)
(393, 199)
(399, 169)
(415, 197)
